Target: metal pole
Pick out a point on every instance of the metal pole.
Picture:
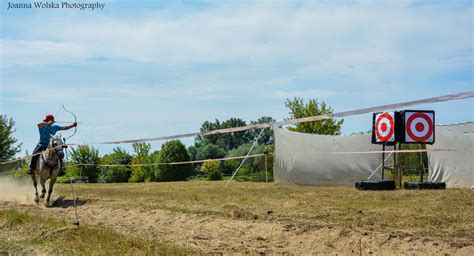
(266, 169)
(74, 202)
(421, 163)
(397, 165)
(383, 161)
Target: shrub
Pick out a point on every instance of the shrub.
(174, 151)
(212, 169)
(84, 155)
(115, 173)
(229, 166)
(142, 156)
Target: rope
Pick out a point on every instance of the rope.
(28, 157)
(373, 173)
(245, 158)
(449, 97)
(172, 163)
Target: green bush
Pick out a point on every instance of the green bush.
(84, 155)
(115, 173)
(255, 164)
(212, 169)
(229, 166)
(174, 151)
(142, 155)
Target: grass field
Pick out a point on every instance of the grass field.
(206, 217)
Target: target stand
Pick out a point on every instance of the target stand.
(385, 131)
(393, 128)
(419, 127)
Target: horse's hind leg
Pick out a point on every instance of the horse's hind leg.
(43, 185)
(35, 183)
(50, 191)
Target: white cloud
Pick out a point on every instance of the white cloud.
(241, 53)
(260, 32)
(16, 52)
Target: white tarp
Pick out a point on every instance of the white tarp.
(454, 168)
(309, 159)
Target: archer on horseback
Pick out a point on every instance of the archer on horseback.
(46, 128)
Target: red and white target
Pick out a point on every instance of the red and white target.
(385, 127)
(419, 127)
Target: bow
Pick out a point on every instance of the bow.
(75, 121)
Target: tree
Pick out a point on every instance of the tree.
(116, 173)
(298, 109)
(254, 168)
(85, 155)
(174, 151)
(142, 156)
(7, 141)
(251, 163)
(212, 169)
(209, 151)
(229, 166)
(267, 135)
(227, 141)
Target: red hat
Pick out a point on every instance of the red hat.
(49, 117)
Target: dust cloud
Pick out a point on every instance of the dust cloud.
(19, 190)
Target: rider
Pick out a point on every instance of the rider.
(47, 128)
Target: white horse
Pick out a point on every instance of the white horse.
(48, 166)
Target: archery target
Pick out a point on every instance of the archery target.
(384, 127)
(419, 127)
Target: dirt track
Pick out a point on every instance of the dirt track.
(243, 234)
(201, 217)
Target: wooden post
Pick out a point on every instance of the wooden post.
(397, 165)
(266, 169)
(383, 161)
(421, 163)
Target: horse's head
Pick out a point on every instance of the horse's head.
(56, 144)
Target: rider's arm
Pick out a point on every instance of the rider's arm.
(69, 126)
(44, 123)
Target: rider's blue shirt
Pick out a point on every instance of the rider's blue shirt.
(47, 131)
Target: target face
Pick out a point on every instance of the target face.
(419, 127)
(384, 127)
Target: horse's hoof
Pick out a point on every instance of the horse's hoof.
(37, 200)
(47, 204)
(42, 196)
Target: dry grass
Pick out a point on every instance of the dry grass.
(28, 233)
(133, 218)
(434, 213)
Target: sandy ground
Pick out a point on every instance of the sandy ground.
(242, 234)
(238, 233)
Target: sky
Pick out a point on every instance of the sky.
(140, 69)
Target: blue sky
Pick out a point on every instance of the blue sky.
(151, 68)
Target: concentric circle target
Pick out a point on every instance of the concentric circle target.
(384, 127)
(419, 127)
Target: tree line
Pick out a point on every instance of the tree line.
(144, 164)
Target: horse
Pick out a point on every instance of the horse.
(48, 167)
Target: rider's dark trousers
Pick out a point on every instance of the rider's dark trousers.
(38, 149)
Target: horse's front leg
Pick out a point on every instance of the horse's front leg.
(35, 183)
(43, 185)
(50, 191)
